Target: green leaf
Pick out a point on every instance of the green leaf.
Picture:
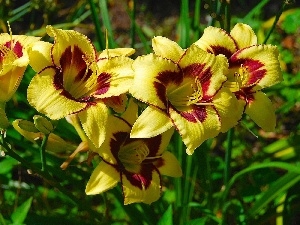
(279, 186)
(7, 164)
(281, 165)
(19, 215)
(166, 217)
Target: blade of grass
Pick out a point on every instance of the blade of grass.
(178, 182)
(107, 23)
(132, 10)
(186, 187)
(99, 33)
(275, 21)
(20, 14)
(227, 169)
(257, 9)
(280, 165)
(146, 44)
(279, 186)
(184, 24)
(197, 13)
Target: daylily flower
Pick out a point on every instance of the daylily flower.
(184, 90)
(252, 67)
(73, 79)
(13, 62)
(137, 163)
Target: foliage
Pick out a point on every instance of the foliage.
(242, 177)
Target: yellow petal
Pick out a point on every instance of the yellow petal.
(103, 178)
(133, 194)
(167, 48)
(145, 83)
(39, 55)
(262, 64)
(131, 113)
(217, 41)
(229, 109)
(94, 122)
(165, 140)
(116, 130)
(42, 95)
(10, 82)
(192, 130)
(116, 52)
(262, 112)
(120, 74)
(169, 165)
(150, 123)
(243, 35)
(212, 72)
(64, 39)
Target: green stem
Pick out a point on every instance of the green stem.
(187, 186)
(178, 184)
(227, 170)
(132, 29)
(275, 22)
(43, 151)
(96, 21)
(227, 17)
(184, 24)
(196, 24)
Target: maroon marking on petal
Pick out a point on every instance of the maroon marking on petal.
(153, 145)
(58, 85)
(141, 179)
(221, 50)
(119, 138)
(73, 58)
(254, 67)
(198, 114)
(161, 91)
(245, 94)
(103, 85)
(164, 78)
(83, 75)
(17, 48)
(58, 81)
(204, 76)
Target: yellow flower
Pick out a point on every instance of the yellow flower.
(73, 79)
(137, 163)
(184, 90)
(252, 67)
(13, 62)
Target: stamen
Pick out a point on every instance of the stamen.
(10, 33)
(133, 153)
(194, 95)
(197, 94)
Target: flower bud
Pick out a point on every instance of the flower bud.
(26, 125)
(42, 124)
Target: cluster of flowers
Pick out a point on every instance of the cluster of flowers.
(199, 92)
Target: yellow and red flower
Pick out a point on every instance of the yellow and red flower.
(135, 162)
(73, 79)
(13, 62)
(252, 67)
(183, 89)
